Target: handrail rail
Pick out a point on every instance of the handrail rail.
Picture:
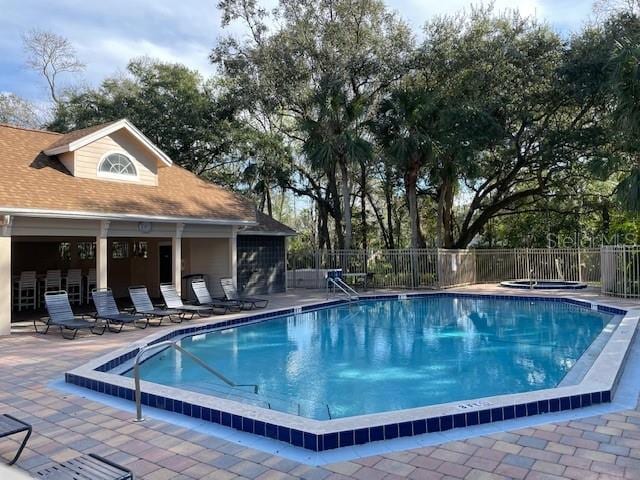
(168, 343)
(342, 286)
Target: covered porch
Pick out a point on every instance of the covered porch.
(112, 254)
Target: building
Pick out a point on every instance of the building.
(106, 198)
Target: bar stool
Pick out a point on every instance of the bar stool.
(53, 281)
(27, 290)
(91, 283)
(74, 286)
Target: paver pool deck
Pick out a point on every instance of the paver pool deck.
(67, 425)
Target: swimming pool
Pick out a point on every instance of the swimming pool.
(383, 355)
(392, 351)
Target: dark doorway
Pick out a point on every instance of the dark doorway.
(165, 264)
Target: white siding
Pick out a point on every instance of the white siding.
(87, 158)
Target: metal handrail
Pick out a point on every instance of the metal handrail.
(168, 343)
(342, 286)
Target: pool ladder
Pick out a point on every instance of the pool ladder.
(198, 360)
(333, 283)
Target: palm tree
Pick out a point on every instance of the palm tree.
(403, 128)
(626, 89)
(334, 141)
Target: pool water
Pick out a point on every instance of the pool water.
(375, 356)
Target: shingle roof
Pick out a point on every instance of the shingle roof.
(32, 180)
(267, 225)
(67, 138)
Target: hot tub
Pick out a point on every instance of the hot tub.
(544, 284)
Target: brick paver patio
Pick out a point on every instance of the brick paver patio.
(601, 447)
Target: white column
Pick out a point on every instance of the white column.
(6, 282)
(102, 255)
(176, 257)
(233, 256)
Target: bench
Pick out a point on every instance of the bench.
(87, 467)
(10, 426)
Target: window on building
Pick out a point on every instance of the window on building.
(117, 164)
(119, 249)
(141, 249)
(86, 250)
(64, 249)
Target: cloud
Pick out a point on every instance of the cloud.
(108, 33)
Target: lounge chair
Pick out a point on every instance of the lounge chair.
(61, 315)
(232, 294)
(86, 467)
(204, 298)
(142, 304)
(108, 310)
(9, 426)
(173, 301)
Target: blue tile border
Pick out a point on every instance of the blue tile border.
(344, 438)
(327, 441)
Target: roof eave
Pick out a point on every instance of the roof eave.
(258, 233)
(78, 215)
(108, 129)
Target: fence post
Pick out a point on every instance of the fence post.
(412, 261)
(579, 263)
(624, 269)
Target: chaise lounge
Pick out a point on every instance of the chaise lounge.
(108, 310)
(10, 425)
(204, 298)
(61, 315)
(173, 301)
(231, 294)
(143, 305)
(86, 467)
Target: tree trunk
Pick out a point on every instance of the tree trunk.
(410, 184)
(363, 204)
(346, 202)
(336, 214)
(269, 202)
(380, 219)
(606, 219)
(388, 198)
(324, 239)
(447, 214)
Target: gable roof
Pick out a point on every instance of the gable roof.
(37, 184)
(76, 139)
(267, 226)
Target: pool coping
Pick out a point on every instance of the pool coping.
(597, 386)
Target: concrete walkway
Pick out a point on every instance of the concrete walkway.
(65, 425)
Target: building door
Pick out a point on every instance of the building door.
(165, 264)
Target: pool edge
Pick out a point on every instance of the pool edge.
(318, 435)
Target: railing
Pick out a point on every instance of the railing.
(574, 264)
(333, 283)
(270, 400)
(621, 271)
(170, 344)
(439, 268)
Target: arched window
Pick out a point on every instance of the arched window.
(117, 164)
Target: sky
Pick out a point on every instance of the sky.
(107, 33)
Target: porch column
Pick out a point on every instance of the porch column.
(233, 256)
(6, 282)
(176, 257)
(102, 255)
